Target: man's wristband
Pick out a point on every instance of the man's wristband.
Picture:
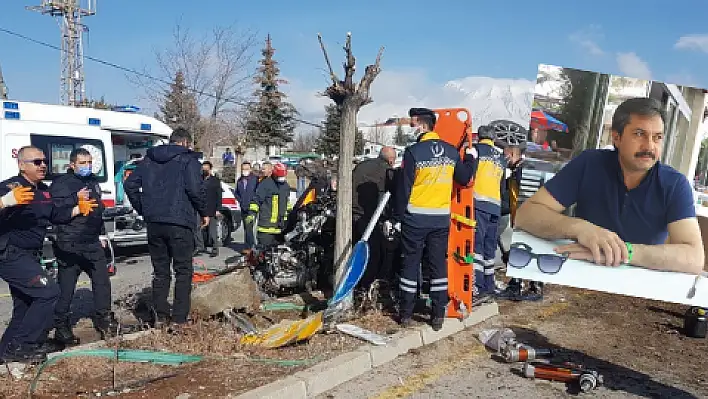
(630, 251)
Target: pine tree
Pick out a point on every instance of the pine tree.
(180, 108)
(328, 142)
(271, 119)
(400, 137)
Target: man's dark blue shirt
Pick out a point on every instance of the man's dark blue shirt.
(594, 182)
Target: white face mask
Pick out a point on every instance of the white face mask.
(282, 179)
(246, 172)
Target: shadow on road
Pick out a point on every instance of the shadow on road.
(616, 377)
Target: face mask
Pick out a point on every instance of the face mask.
(282, 179)
(84, 171)
(246, 172)
(205, 173)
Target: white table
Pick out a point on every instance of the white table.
(625, 280)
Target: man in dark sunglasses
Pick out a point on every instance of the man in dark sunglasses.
(26, 210)
(630, 208)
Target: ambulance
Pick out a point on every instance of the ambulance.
(117, 139)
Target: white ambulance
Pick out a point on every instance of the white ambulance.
(115, 139)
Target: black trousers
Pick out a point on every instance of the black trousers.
(268, 239)
(34, 295)
(171, 246)
(413, 242)
(73, 259)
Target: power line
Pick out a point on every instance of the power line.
(138, 73)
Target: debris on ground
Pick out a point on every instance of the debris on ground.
(235, 290)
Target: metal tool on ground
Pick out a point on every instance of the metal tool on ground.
(356, 264)
(695, 322)
(586, 380)
(524, 353)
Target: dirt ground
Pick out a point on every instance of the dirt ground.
(636, 344)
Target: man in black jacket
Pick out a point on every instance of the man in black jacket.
(212, 186)
(172, 196)
(78, 249)
(369, 183)
(244, 192)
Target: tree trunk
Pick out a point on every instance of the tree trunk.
(343, 242)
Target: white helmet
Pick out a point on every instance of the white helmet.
(509, 134)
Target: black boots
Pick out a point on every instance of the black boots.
(106, 325)
(64, 334)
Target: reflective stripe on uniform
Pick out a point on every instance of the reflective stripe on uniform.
(274, 209)
(269, 230)
(428, 211)
(253, 207)
(408, 285)
(479, 197)
(438, 284)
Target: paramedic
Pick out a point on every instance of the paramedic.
(422, 212)
(78, 249)
(166, 189)
(369, 185)
(488, 179)
(630, 208)
(26, 210)
(270, 203)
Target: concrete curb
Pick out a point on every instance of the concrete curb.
(325, 376)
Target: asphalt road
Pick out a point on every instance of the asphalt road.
(134, 272)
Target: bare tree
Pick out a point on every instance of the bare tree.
(377, 133)
(217, 67)
(350, 96)
(306, 141)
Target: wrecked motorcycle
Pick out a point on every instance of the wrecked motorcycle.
(296, 264)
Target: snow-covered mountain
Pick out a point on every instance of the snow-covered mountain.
(486, 98)
(489, 99)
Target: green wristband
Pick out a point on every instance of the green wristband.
(630, 251)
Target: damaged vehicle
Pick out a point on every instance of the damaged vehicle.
(303, 259)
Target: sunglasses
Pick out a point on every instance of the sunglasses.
(37, 162)
(520, 255)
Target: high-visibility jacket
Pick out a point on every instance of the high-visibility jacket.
(271, 204)
(491, 164)
(429, 168)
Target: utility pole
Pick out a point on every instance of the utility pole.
(69, 14)
(3, 87)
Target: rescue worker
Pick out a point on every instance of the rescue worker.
(512, 139)
(78, 249)
(26, 210)
(369, 184)
(491, 166)
(422, 212)
(270, 203)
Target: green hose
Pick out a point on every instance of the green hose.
(162, 358)
(127, 355)
(282, 306)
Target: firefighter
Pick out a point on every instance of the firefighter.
(270, 203)
(489, 175)
(78, 249)
(26, 210)
(422, 212)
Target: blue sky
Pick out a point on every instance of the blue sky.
(427, 43)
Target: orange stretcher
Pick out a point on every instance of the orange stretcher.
(454, 125)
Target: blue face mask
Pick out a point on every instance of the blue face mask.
(84, 171)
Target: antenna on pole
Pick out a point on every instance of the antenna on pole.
(3, 87)
(69, 14)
